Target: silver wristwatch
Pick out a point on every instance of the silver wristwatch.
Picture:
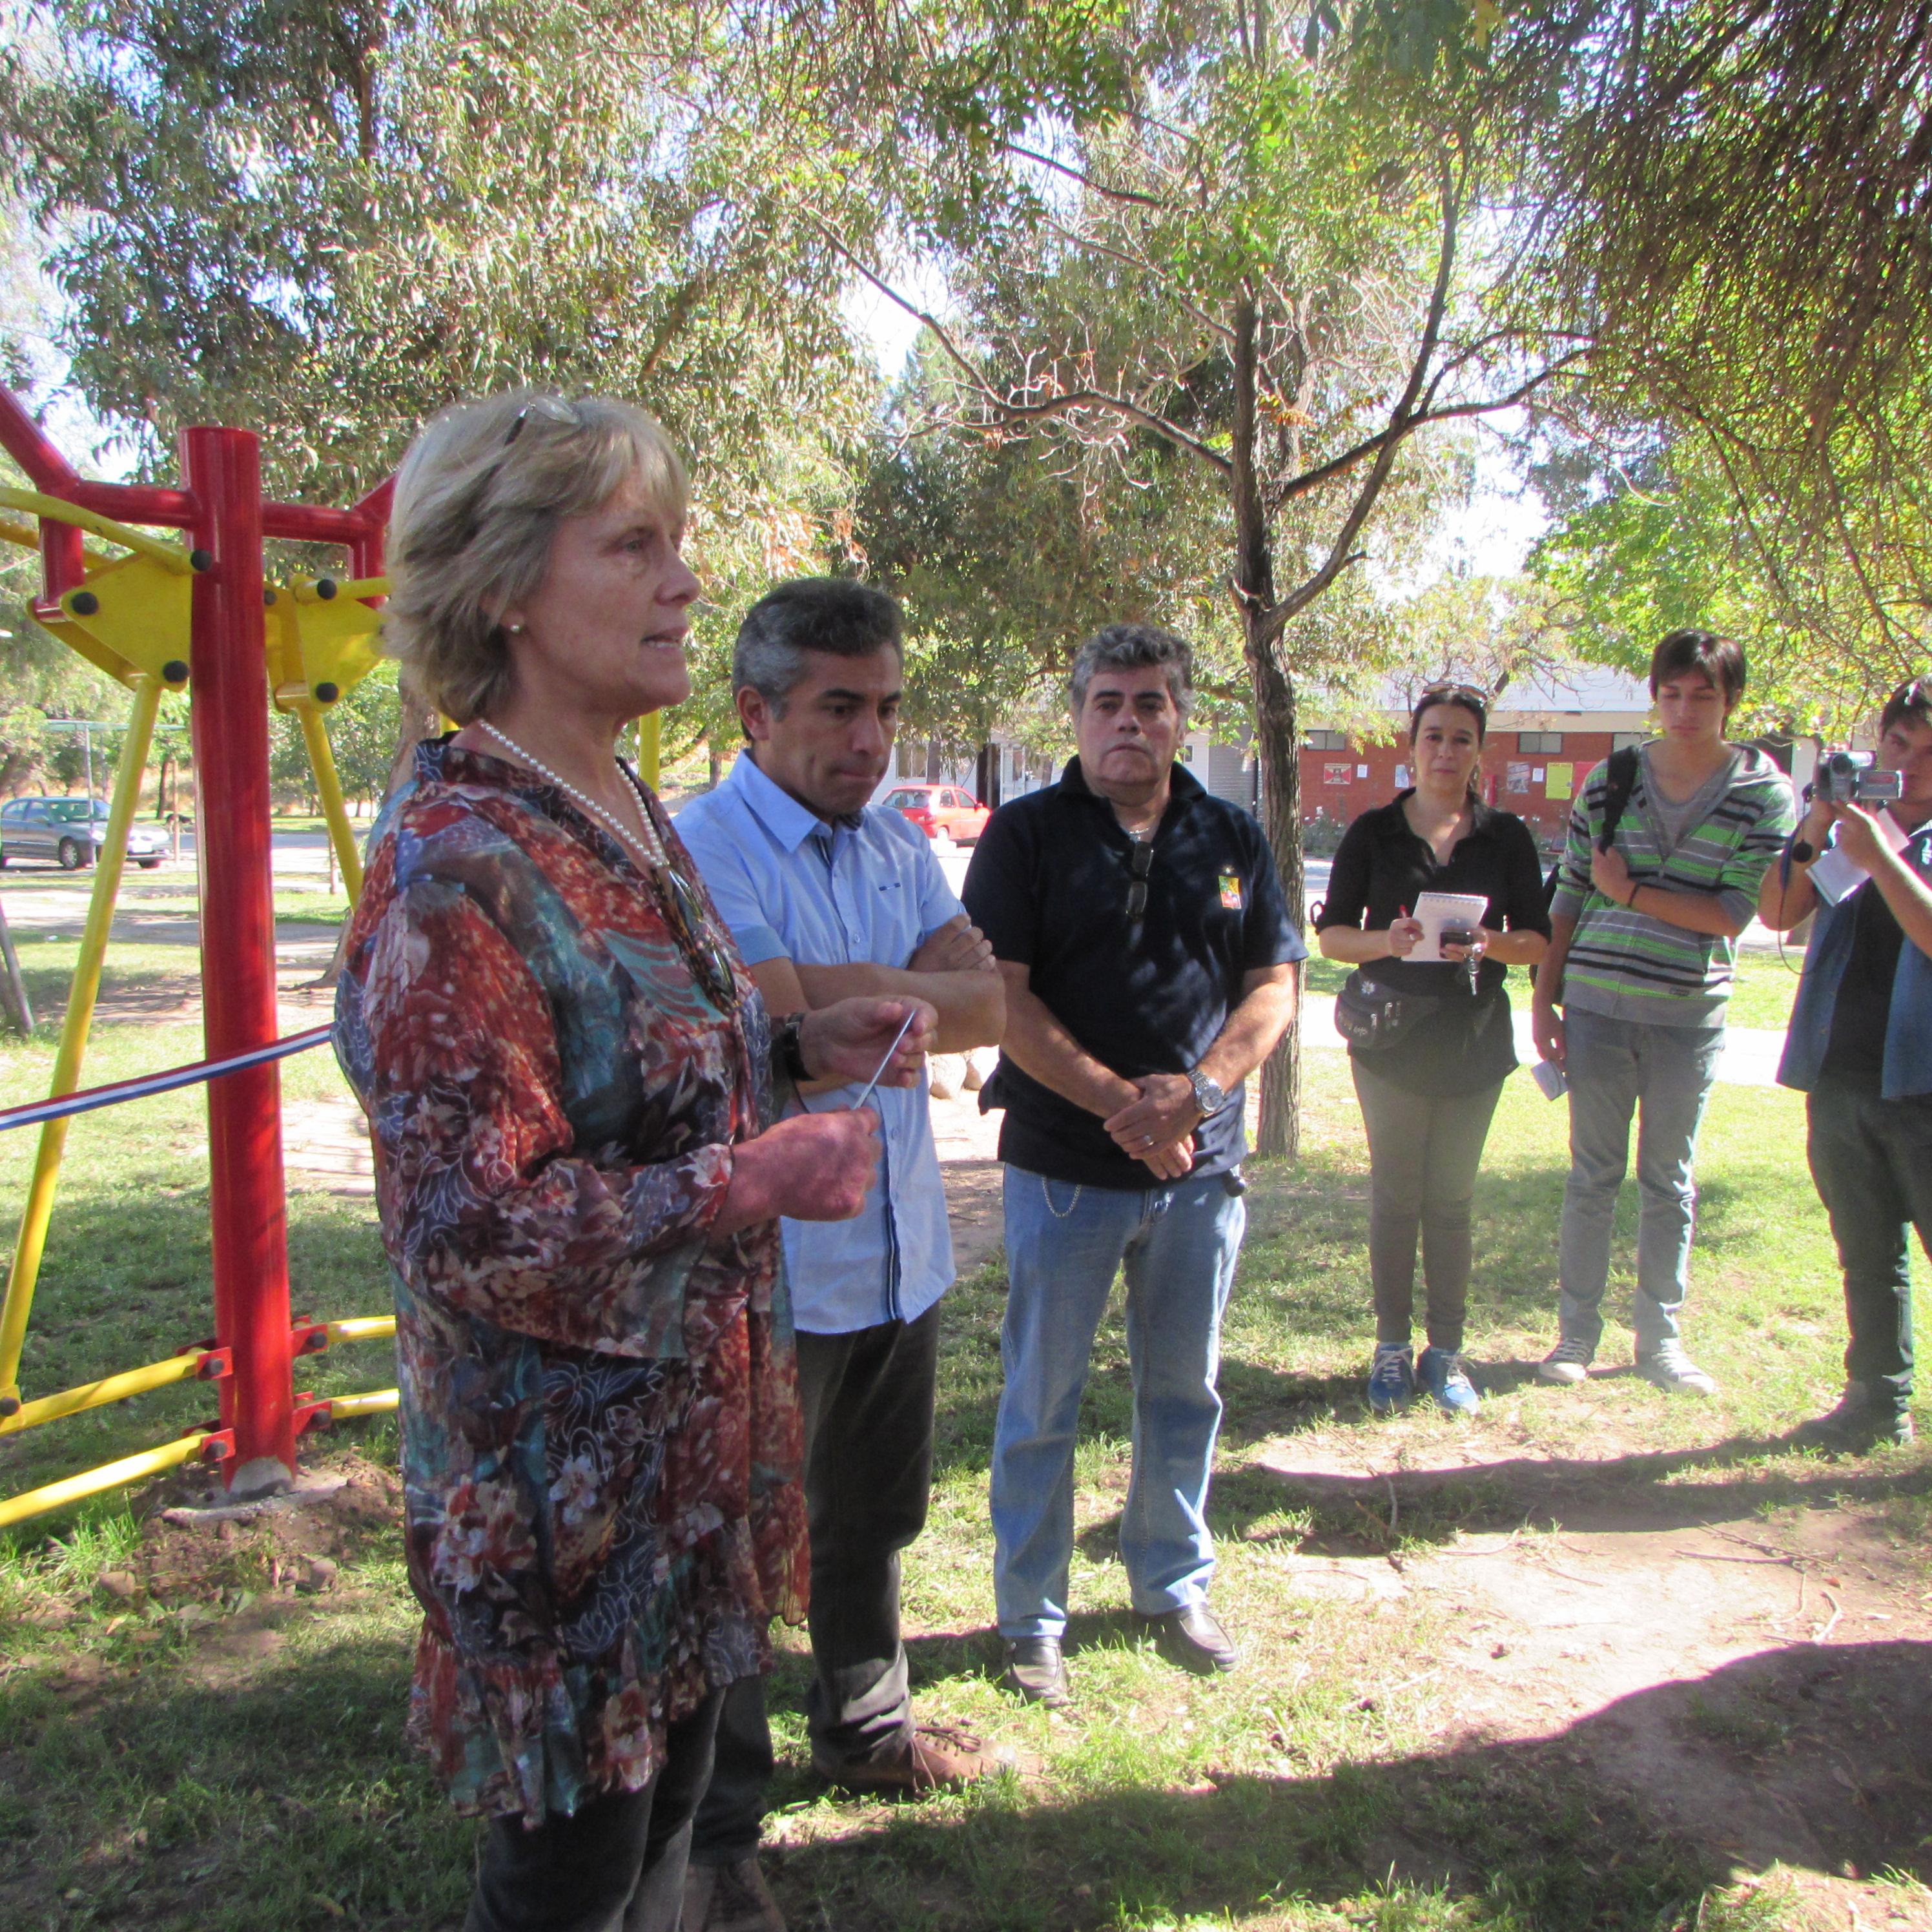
(1208, 1097)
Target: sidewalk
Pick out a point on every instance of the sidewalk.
(1750, 1053)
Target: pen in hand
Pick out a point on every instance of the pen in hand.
(878, 1072)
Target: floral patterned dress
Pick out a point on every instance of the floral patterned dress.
(601, 1432)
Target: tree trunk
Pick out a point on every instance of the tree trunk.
(1279, 1131)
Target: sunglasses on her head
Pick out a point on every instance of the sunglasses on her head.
(1455, 694)
(545, 409)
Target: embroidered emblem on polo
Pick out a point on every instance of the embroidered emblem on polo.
(1230, 892)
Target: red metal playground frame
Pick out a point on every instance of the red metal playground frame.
(220, 507)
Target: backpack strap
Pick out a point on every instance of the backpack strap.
(1620, 771)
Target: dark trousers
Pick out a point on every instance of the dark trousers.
(1872, 1160)
(617, 1865)
(1423, 1157)
(868, 1401)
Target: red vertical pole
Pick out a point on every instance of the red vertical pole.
(222, 469)
(63, 558)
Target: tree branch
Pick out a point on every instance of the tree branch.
(1004, 407)
(1402, 424)
(1101, 188)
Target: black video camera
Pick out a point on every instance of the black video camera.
(1845, 778)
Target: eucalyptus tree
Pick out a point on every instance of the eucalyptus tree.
(1186, 251)
(325, 222)
(1738, 195)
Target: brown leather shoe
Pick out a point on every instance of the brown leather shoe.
(731, 1897)
(929, 1757)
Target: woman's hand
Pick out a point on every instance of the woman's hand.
(846, 1041)
(1474, 950)
(1405, 935)
(1610, 875)
(1546, 1027)
(813, 1167)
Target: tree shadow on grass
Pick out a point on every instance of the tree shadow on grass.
(177, 1793)
(1651, 1491)
(1620, 1821)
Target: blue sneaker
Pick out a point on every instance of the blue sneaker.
(1391, 1378)
(1443, 1376)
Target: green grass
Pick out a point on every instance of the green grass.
(222, 1750)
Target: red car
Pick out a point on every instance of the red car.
(935, 808)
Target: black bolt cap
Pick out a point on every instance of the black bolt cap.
(174, 672)
(326, 693)
(83, 603)
(201, 559)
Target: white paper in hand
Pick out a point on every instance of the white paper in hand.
(1836, 875)
(1437, 909)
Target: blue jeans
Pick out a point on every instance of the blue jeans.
(1664, 1074)
(1178, 1244)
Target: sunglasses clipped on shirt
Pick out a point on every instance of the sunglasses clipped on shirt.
(1141, 864)
(710, 963)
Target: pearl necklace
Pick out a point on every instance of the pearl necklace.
(653, 850)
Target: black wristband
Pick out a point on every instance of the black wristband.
(787, 1048)
(1637, 886)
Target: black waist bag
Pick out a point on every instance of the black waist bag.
(1371, 1017)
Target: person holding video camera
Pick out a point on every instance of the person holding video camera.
(1860, 1047)
(1430, 1045)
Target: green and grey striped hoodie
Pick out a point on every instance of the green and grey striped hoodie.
(1627, 965)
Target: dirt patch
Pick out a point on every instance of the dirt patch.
(1757, 1681)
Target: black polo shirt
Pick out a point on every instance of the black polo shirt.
(1049, 887)
(1382, 867)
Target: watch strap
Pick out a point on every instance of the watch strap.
(786, 1049)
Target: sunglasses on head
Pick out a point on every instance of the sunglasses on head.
(1455, 694)
(546, 409)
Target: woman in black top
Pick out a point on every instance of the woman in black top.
(1428, 1085)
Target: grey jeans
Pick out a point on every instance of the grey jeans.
(1423, 1154)
(1664, 1074)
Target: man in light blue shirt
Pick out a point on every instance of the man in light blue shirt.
(828, 897)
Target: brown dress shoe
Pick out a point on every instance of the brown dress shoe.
(929, 1757)
(731, 1897)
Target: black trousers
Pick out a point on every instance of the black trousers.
(1423, 1154)
(617, 1865)
(1872, 1160)
(868, 1401)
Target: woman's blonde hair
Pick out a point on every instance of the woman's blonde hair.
(477, 502)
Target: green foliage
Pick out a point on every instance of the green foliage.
(327, 224)
(1671, 544)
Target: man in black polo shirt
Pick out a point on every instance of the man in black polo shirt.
(1149, 965)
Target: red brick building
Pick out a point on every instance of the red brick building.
(1543, 737)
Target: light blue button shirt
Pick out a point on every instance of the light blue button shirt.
(790, 886)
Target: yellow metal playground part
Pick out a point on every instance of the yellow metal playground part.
(31, 1243)
(109, 1476)
(130, 618)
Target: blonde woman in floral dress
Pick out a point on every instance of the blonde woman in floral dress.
(573, 1089)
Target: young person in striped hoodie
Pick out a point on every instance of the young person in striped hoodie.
(1644, 929)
